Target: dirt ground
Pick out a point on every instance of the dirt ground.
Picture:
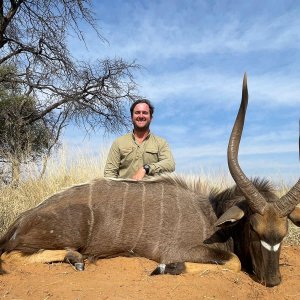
(128, 278)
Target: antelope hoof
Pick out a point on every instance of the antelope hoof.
(79, 266)
(75, 259)
(172, 269)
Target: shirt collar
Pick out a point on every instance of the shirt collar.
(146, 138)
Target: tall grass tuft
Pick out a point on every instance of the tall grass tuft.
(63, 172)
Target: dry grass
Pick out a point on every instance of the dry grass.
(63, 172)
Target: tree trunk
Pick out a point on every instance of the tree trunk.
(15, 172)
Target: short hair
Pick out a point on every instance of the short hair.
(151, 107)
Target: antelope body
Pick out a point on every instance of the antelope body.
(165, 220)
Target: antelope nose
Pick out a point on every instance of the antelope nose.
(273, 281)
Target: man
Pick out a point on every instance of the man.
(140, 153)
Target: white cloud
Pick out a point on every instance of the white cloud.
(197, 84)
(165, 36)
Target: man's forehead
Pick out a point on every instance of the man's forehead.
(141, 107)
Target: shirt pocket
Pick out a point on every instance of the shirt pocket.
(126, 155)
(151, 155)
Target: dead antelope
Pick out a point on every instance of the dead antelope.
(163, 220)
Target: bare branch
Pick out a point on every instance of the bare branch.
(50, 88)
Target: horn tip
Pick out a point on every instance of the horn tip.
(245, 79)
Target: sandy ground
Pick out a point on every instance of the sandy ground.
(128, 278)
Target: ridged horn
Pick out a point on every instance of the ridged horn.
(254, 198)
(287, 203)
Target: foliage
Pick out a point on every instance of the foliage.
(54, 88)
(33, 36)
(20, 140)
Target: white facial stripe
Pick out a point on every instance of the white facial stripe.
(276, 247)
(269, 247)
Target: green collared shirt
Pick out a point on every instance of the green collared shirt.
(126, 156)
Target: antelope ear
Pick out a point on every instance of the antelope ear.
(294, 216)
(230, 217)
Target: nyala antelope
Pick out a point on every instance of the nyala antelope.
(163, 219)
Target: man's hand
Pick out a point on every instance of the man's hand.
(140, 174)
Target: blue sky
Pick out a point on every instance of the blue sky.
(194, 55)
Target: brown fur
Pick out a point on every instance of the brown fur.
(165, 219)
(111, 217)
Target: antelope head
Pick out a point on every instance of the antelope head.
(267, 222)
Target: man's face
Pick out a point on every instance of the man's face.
(141, 117)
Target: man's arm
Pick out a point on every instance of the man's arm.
(165, 162)
(113, 162)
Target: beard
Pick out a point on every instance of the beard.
(141, 128)
(144, 126)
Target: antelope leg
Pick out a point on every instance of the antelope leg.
(200, 259)
(75, 258)
(46, 256)
(42, 256)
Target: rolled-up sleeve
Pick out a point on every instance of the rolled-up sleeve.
(112, 165)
